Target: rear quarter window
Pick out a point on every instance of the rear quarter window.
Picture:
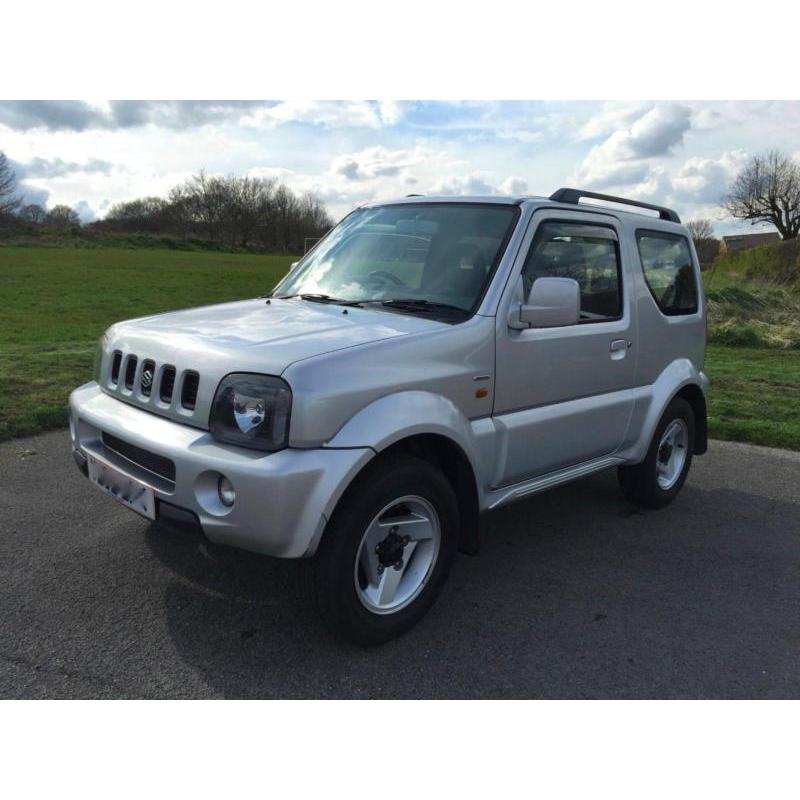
(668, 271)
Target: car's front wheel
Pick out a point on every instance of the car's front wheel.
(387, 550)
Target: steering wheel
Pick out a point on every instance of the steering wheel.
(386, 277)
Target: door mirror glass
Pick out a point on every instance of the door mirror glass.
(552, 302)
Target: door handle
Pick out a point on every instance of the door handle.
(619, 347)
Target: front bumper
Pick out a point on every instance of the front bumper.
(283, 499)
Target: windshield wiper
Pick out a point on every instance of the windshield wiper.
(417, 304)
(320, 298)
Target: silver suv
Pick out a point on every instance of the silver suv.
(430, 359)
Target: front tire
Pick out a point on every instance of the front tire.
(657, 480)
(386, 551)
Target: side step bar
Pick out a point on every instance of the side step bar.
(508, 494)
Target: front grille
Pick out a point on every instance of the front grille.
(157, 465)
(156, 386)
(191, 382)
(130, 372)
(167, 384)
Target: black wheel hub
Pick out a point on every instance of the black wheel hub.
(390, 550)
(665, 452)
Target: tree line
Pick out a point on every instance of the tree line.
(231, 211)
(261, 212)
(234, 211)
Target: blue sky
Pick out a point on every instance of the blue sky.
(91, 154)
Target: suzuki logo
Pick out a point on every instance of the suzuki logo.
(147, 378)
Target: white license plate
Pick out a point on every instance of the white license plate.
(127, 491)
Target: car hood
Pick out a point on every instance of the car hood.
(247, 336)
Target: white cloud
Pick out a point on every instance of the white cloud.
(612, 117)
(706, 119)
(326, 113)
(657, 132)
(380, 173)
(479, 184)
(57, 167)
(704, 180)
(84, 211)
(520, 135)
(514, 185)
(33, 195)
(376, 162)
(678, 154)
(622, 159)
(391, 111)
(463, 184)
(76, 115)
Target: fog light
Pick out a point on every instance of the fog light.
(227, 494)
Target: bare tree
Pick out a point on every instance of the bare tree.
(33, 213)
(208, 202)
(179, 211)
(8, 187)
(63, 217)
(252, 199)
(705, 243)
(286, 209)
(700, 229)
(768, 190)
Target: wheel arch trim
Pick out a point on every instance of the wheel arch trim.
(679, 378)
(412, 417)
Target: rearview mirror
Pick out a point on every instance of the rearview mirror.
(552, 303)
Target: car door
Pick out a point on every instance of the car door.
(564, 396)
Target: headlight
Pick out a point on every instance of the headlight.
(252, 411)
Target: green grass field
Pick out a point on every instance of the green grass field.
(56, 302)
(754, 395)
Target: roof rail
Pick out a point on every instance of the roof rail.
(574, 196)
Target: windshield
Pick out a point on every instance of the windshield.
(423, 253)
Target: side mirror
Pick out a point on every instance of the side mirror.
(552, 303)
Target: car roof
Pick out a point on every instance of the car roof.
(488, 199)
(636, 217)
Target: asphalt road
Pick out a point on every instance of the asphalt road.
(575, 594)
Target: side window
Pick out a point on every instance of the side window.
(668, 270)
(587, 253)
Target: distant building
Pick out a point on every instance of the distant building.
(747, 241)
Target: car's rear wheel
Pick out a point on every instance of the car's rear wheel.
(657, 480)
(387, 550)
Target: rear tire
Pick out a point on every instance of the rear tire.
(386, 551)
(657, 480)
